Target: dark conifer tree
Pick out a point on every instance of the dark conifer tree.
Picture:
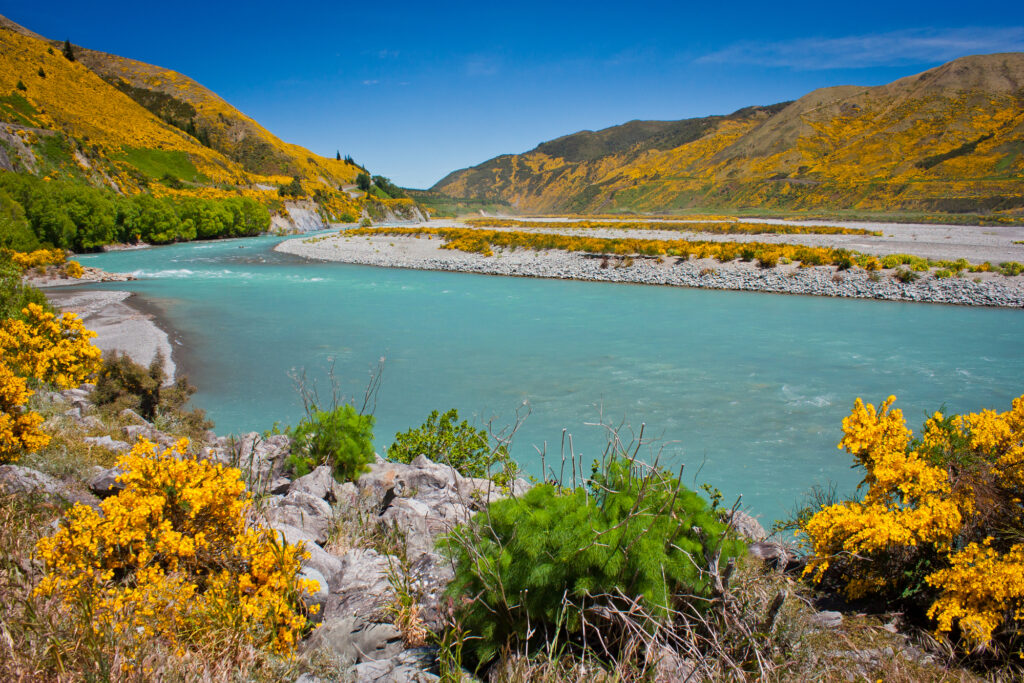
(68, 52)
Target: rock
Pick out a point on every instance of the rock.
(670, 667)
(133, 432)
(827, 619)
(361, 589)
(25, 480)
(416, 665)
(280, 486)
(356, 640)
(262, 457)
(431, 574)
(130, 414)
(319, 599)
(104, 482)
(303, 511)
(108, 443)
(747, 527)
(73, 413)
(780, 556)
(92, 422)
(325, 563)
(319, 483)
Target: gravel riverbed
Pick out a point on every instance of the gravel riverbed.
(985, 289)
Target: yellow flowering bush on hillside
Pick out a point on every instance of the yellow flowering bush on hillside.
(939, 528)
(48, 348)
(19, 428)
(171, 560)
(39, 257)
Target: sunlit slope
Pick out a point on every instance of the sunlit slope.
(185, 103)
(101, 126)
(116, 122)
(950, 139)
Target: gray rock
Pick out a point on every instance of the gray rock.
(104, 482)
(73, 413)
(263, 458)
(356, 640)
(92, 422)
(827, 619)
(777, 554)
(279, 486)
(361, 589)
(25, 480)
(108, 443)
(415, 665)
(325, 563)
(303, 511)
(133, 432)
(319, 599)
(130, 414)
(748, 527)
(319, 483)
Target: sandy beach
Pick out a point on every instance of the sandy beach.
(946, 242)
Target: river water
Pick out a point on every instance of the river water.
(747, 390)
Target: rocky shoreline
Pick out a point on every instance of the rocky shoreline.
(408, 252)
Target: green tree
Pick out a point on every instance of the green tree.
(69, 53)
(15, 232)
(292, 189)
(363, 182)
(337, 155)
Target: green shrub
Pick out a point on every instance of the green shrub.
(443, 439)
(123, 383)
(905, 276)
(14, 294)
(942, 274)
(341, 438)
(550, 563)
(1011, 268)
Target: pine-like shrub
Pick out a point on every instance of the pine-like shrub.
(556, 561)
(444, 439)
(341, 438)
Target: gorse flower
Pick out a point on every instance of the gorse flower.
(19, 428)
(950, 502)
(171, 557)
(50, 349)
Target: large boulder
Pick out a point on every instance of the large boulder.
(354, 640)
(415, 665)
(361, 588)
(262, 457)
(104, 481)
(319, 483)
(303, 511)
(328, 565)
(25, 480)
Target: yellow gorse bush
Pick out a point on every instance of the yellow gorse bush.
(170, 559)
(19, 428)
(51, 349)
(39, 257)
(950, 501)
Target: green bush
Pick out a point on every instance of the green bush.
(14, 294)
(443, 439)
(530, 568)
(341, 438)
(905, 276)
(123, 383)
(1011, 268)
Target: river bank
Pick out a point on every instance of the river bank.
(390, 251)
(122, 321)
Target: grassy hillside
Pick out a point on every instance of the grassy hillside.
(948, 140)
(132, 127)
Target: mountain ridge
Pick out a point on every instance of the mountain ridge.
(948, 139)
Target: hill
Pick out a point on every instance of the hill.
(114, 122)
(950, 139)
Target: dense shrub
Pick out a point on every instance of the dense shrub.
(19, 427)
(15, 296)
(123, 383)
(170, 560)
(50, 349)
(938, 532)
(556, 561)
(443, 439)
(340, 437)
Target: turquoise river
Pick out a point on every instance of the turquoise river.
(748, 390)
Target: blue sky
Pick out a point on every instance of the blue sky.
(416, 90)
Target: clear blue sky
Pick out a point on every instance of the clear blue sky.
(416, 90)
